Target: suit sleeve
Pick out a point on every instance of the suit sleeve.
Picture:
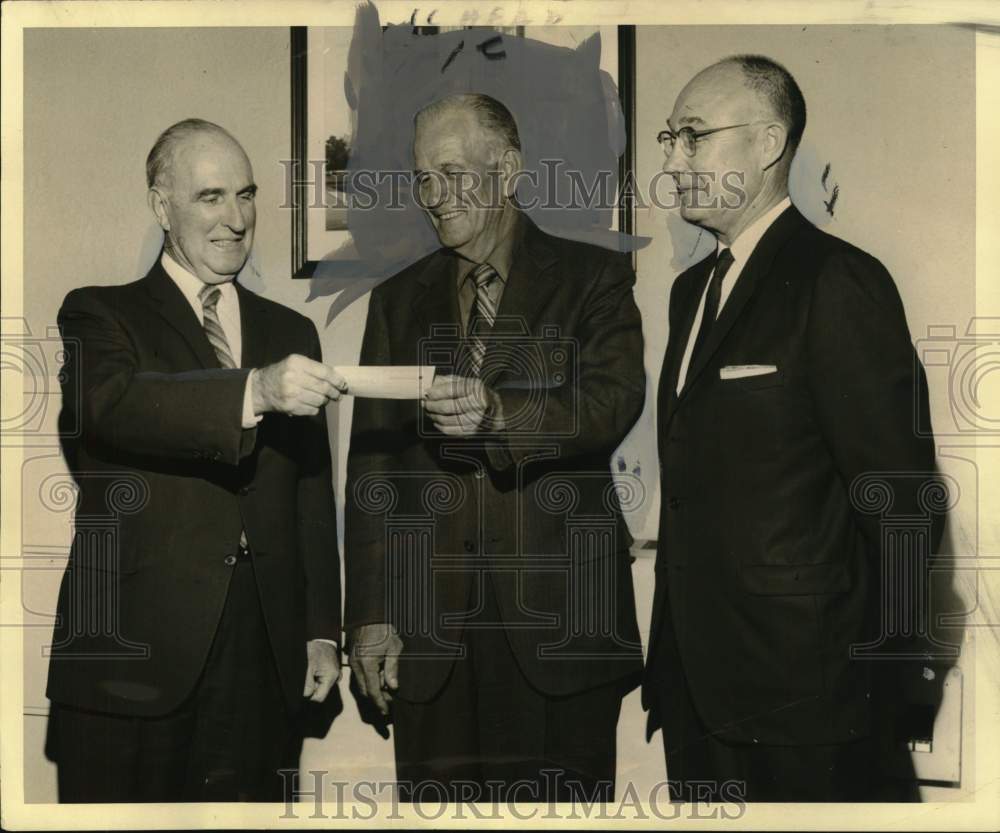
(604, 398)
(869, 388)
(376, 433)
(316, 519)
(196, 414)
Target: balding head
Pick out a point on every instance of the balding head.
(183, 134)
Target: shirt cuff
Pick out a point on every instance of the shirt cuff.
(328, 642)
(250, 419)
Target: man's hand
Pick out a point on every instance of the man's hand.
(375, 651)
(457, 405)
(323, 671)
(296, 386)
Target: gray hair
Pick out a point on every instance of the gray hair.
(161, 156)
(775, 85)
(495, 119)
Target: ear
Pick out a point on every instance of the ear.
(509, 164)
(157, 202)
(774, 140)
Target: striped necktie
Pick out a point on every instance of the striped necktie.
(209, 297)
(484, 313)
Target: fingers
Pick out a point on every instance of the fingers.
(299, 386)
(310, 685)
(392, 662)
(324, 682)
(375, 692)
(366, 672)
(448, 387)
(359, 675)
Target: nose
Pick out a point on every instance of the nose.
(235, 219)
(675, 161)
(432, 190)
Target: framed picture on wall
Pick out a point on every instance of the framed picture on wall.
(324, 110)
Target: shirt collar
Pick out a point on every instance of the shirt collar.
(502, 256)
(190, 284)
(742, 247)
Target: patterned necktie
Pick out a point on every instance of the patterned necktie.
(209, 296)
(484, 313)
(712, 298)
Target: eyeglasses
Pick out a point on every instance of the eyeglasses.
(690, 137)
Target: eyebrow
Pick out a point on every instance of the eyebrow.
(683, 120)
(219, 192)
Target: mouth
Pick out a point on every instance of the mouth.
(448, 215)
(228, 244)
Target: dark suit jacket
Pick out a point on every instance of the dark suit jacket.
(426, 513)
(167, 479)
(767, 569)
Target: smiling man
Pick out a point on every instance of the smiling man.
(489, 603)
(191, 630)
(789, 379)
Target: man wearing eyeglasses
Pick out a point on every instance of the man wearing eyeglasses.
(789, 374)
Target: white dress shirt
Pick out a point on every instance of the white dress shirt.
(741, 249)
(228, 309)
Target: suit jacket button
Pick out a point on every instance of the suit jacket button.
(245, 490)
(469, 546)
(674, 503)
(229, 560)
(480, 474)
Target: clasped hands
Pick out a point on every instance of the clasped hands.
(462, 405)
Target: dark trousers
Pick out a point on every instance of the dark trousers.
(225, 743)
(488, 735)
(702, 767)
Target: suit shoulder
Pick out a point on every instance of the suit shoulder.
(579, 251)
(101, 295)
(841, 268)
(402, 283)
(281, 317)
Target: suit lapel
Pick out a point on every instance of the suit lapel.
(758, 265)
(529, 284)
(254, 330)
(679, 340)
(436, 304)
(176, 311)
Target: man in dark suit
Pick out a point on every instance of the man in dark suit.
(489, 599)
(789, 383)
(203, 586)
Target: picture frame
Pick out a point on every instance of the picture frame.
(317, 227)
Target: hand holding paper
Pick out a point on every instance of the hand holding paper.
(388, 382)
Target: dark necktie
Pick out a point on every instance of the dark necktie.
(712, 298)
(482, 316)
(209, 296)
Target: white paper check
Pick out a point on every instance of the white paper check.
(388, 381)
